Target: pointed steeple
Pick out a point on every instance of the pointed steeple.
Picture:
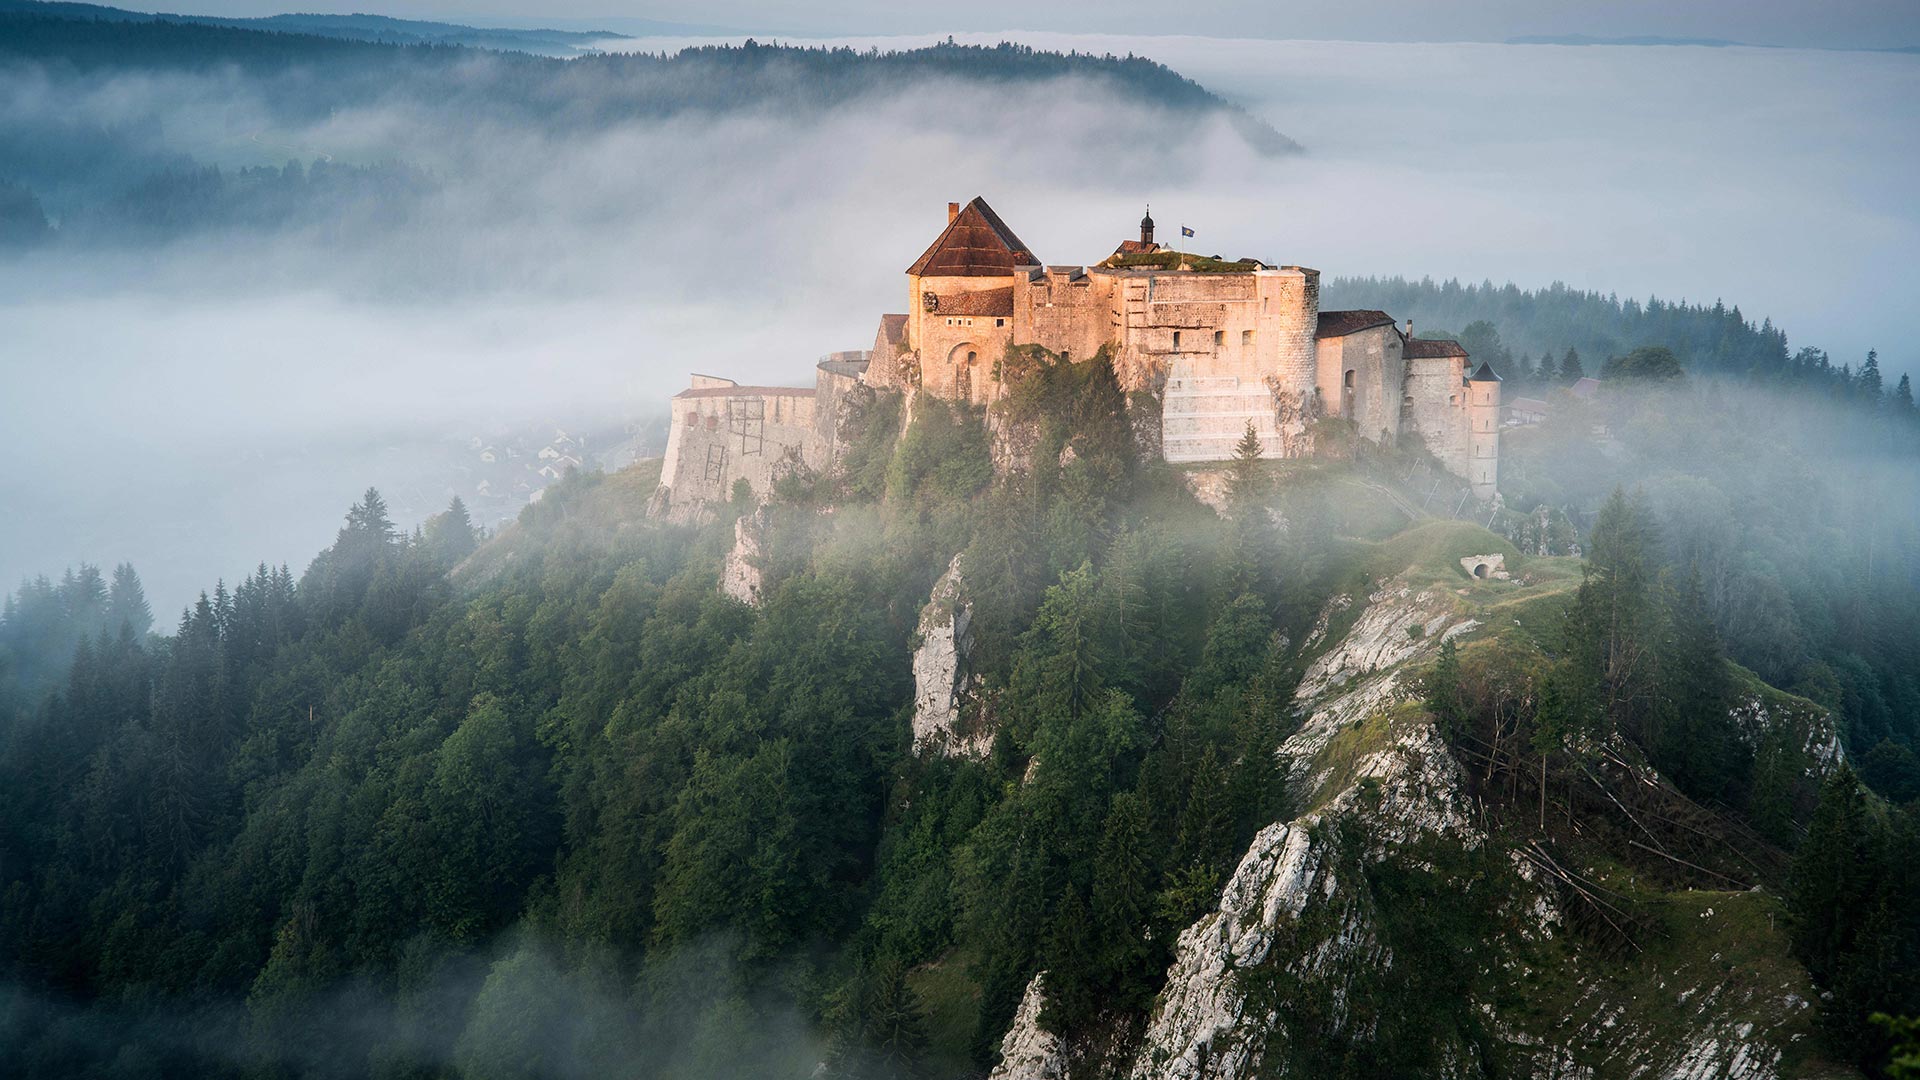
(1146, 228)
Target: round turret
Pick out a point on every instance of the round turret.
(1483, 432)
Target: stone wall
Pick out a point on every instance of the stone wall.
(721, 433)
(1436, 408)
(1372, 360)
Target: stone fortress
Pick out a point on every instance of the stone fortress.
(1219, 345)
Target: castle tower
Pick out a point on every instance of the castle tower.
(1483, 434)
(1146, 229)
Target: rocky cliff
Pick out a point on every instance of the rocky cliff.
(1390, 896)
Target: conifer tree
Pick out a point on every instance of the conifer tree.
(1903, 397)
(1870, 387)
(1571, 370)
(1548, 373)
(895, 1027)
(1123, 876)
(1246, 488)
(1443, 696)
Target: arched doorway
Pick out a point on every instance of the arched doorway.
(1346, 394)
(965, 357)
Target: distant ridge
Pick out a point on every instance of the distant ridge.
(358, 27)
(1700, 43)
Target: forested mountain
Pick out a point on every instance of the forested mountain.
(380, 28)
(1270, 786)
(121, 169)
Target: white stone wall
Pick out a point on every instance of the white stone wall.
(1438, 409)
(1379, 381)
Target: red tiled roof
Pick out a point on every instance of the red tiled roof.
(980, 302)
(976, 243)
(746, 391)
(1431, 348)
(1135, 247)
(894, 327)
(1342, 323)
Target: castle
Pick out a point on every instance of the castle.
(1219, 345)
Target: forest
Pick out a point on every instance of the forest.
(554, 805)
(1556, 335)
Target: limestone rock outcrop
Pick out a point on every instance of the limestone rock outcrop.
(740, 572)
(940, 672)
(1030, 1052)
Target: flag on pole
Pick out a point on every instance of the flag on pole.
(1184, 231)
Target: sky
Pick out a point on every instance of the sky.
(222, 403)
(1834, 24)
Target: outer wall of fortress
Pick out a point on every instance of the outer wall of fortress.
(1219, 348)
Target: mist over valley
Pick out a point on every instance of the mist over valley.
(1339, 558)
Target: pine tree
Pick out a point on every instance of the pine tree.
(1123, 876)
(1832, 876)
(1903, 396)
(1072, 997)
(1695, 743)
(1206, 822)
(1442, 691)
(1246, 486)
(895, 1028)
(1870, 387)
(1548, 373)
(1613, 630)
(1570, 370)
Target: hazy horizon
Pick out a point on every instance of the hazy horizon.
(1849, 24)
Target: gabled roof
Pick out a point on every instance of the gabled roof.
(1584, 387)
(976, 302)
(1485, 374)
(976, 243)
(1136, 247)
(1431, 349)
(1341, 323)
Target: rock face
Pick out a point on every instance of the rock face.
(940, 672)
(1298, 913)
(1201, 1027)
(740, 574)
(1029, 1052)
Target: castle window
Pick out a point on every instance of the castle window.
(1246, 337)
(1219, 337)
(1348, 380)
(999, 322)
(972, 357)
(1453, 399)
(1176, 339)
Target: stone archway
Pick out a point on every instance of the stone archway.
(965, 361)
